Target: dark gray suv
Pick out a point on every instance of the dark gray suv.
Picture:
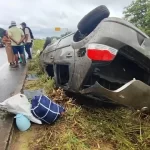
(107, 58)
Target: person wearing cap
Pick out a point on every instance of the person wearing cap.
(17, 36)
(28, 39)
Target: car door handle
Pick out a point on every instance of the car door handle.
(51, 57)
(68, 56)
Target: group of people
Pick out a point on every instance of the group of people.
(16, 40)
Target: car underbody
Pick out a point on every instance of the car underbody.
(122, 81)
(124, 68)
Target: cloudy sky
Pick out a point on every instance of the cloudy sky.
(42, 16)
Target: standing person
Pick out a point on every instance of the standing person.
(28, 39)
(10, 55)
(17, 36)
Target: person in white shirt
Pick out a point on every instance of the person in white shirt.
(28, 39)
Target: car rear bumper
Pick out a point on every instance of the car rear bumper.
(125, 80)
(134, 94)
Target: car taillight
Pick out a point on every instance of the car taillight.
(100, 52)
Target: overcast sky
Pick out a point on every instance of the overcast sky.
(42, 16)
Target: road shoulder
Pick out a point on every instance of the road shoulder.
(6, 123)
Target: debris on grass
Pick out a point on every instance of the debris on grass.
(89, 128)
(30, 94)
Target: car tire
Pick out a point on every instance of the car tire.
(89, 22)
(47, 42)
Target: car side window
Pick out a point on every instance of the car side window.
(66, 41)
(51, 47)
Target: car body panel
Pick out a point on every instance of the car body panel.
(80, 72)
(133, 94)
(47, 55)
(117, 33)
(64, 54)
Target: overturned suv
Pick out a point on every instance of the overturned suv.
(107, 59)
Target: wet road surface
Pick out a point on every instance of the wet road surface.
(9, 78)
(9, 81)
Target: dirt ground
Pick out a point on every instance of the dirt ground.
(21, 140)
(24, 140)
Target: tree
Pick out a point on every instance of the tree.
(1, 32)
(138, 13)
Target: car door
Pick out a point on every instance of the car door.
(47, 58)
(64, 61)
(52, 52)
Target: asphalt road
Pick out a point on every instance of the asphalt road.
(9, 77)
(9, 83)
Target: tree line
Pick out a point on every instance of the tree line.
(138, 13)
(1, 32)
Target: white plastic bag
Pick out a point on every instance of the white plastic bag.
(19, 104)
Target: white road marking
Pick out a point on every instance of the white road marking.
(1, 67)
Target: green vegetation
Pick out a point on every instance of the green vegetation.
(138, 13)
(38, 45)
(34, 66)
(1, 32)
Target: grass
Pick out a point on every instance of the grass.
(38, 44)
(34, 65)
(87, 128)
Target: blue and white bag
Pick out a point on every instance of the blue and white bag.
(45, 110)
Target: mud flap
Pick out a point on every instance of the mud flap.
(134, 94)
